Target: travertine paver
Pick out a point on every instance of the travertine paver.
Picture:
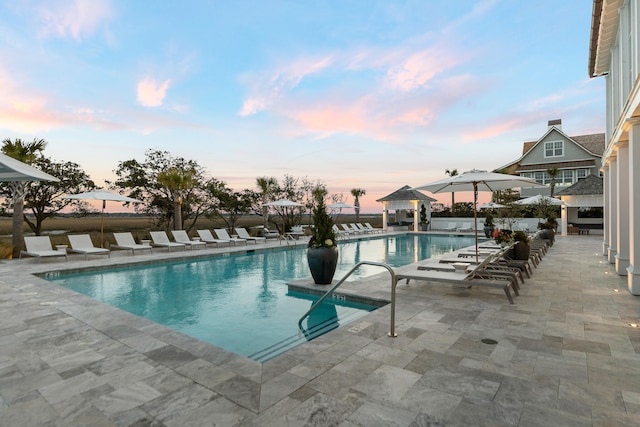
(565, 355)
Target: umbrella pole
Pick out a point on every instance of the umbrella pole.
(475, 215)
(104, 203)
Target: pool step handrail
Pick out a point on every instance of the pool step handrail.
(394, 282)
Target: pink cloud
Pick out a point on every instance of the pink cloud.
(152, 93)
(76, 19)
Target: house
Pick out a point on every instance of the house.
(583, 204)
(407, 204)
(613, 55)
(574, 157)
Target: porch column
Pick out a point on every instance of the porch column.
(416, 219)
(633, 276)
(605, 210)
(613, 212)
(622, 180)
(563, 220)
(385, 217)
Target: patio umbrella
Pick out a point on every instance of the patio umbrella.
(491, 205)
(14, 170)
(340, 206)
(477, 180)
(536, 200)
(283, 203)
(104, 196)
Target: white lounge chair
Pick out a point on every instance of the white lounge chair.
(339, 233)
(160, 239)
(181, 236)
(522, 226)
(372, 228)
(466, 226)
(125, 241)
(452, 226)
(464, 278)
(40, 247)
(362, 228)
(222, 234)
(82, 244)
(244, 234)
(348, 229)
(207, 237)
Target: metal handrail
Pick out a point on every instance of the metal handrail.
(394, 282)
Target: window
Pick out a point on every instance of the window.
(565, 177)
(554, 149)
(582, 173)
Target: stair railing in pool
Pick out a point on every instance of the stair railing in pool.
(394, 282)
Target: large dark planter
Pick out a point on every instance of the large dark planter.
(522, 250)
(322, 264)
(548, 234)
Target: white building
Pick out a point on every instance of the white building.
(614, 53)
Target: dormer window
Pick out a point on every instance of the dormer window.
(554, 149)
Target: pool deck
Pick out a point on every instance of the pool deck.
(565, 355)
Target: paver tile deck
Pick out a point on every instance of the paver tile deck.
(565, 354)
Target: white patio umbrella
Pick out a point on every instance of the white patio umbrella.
(283, 203)
(14, 170)
(477, 180)
(104, 196)
(491, 205)
(538, 199)
(340, 206)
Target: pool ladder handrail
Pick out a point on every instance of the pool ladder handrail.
(394, 282)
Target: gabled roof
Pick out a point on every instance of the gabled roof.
(594, 144)
(588, 185)
(406, 193)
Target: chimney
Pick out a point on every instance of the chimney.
(555, 123)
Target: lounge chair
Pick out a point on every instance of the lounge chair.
(362, 228)
(244, 234)
(522, 226)
(466, 226)
(82, 244)
(207, 237)
(462, 278)
(266, 233)
(348, 229)
(40, 247)
(160, 239)
(181, 236)
(372, 228)
(339, 233)
(452, 226)
(222, 234)
(125, 241)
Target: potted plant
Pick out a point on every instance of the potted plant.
(488, 225)
(424, 222)
(322, 252)
(502, 237)
(549, 230)
(522, 249)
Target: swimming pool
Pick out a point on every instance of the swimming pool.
(240, 302)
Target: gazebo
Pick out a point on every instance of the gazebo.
(586, 193)
(405, 201)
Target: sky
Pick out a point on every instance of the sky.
(370, 94)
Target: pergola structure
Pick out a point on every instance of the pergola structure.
(404, 200)
(586, 193)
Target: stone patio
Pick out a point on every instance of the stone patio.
(565, 355)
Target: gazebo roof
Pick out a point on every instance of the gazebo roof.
(588, 185)
(406, 194)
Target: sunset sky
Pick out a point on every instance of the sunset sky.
(374, 94)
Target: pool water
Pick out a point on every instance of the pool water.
(240, 302)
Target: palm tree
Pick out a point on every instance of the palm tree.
(177, 182)
(553, 174)
(452, 172)
(26, 152)
(356, 193)
(267, 185)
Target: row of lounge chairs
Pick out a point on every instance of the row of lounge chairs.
(355, 229)
(467, 226)
(493, 267)
(41, 247)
